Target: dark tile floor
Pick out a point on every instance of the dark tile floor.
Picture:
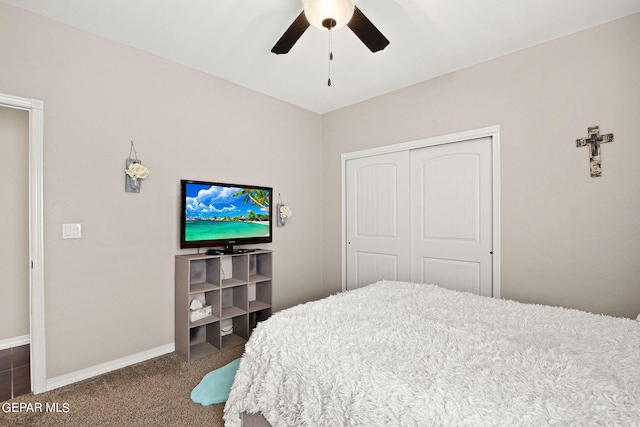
(15, 372)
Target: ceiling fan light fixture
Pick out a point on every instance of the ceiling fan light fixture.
(319, 12)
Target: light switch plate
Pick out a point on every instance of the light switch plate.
(71, 231)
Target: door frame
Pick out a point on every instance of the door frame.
(36, 235)
(490, 131)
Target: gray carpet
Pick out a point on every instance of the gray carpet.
(152, 393)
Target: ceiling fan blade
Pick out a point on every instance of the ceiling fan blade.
(291, 36)
(367, 32)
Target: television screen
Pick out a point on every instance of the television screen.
(216, 214)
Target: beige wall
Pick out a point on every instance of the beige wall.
(14, 226)
(567, 239)
(110, 294)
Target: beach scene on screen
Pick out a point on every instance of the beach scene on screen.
(219, 212)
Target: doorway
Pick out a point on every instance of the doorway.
(35, 109)
(14, 255)
(425, 211)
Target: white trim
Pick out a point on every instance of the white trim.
(495, 140)
(36, 235)
(103, 368)
(421, 143)
(343, 221)
(14, 342)
(490, 131)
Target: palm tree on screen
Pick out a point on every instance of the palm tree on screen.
(257, 197)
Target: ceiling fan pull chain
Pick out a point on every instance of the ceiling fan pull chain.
(330, 54)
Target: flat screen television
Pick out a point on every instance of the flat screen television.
(214, 214)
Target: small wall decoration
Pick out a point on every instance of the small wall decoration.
(593, 141)
(284, 212)
(134, 172)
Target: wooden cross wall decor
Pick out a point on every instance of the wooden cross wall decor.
(593, 141)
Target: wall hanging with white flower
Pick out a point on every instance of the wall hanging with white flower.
(284, 212)
(134, 172)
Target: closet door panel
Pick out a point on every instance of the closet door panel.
(452, 216)
(377, 213)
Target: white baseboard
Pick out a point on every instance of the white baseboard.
(83, 374)
(15, 342)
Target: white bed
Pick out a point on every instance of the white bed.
(405, 354)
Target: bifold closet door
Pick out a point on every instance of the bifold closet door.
(378, 212)
(451, 233)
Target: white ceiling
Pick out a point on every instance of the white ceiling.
(232, 39)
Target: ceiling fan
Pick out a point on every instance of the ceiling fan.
(330, 15)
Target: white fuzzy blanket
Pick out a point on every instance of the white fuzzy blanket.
(404, 354)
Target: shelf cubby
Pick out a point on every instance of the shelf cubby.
(204, 340)
(256, 317)
(234, 301)
(259, 267)
(262, 296)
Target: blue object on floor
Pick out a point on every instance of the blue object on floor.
(216, 385)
